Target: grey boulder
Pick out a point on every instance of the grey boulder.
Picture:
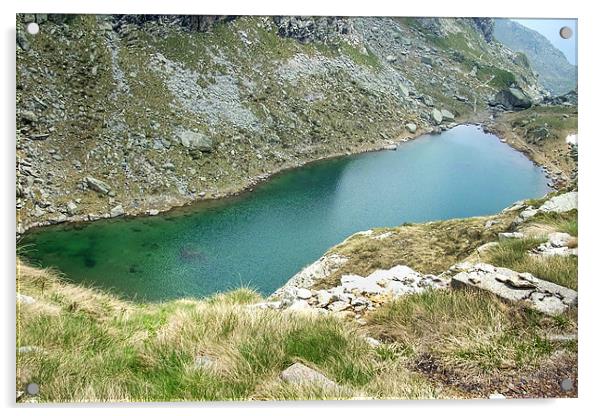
(300, 374)
(198, 141)
(97, 185)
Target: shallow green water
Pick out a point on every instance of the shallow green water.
(262, 238)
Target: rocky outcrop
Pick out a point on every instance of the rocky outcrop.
(312, 274)
(357, 294)
(512, 99)
(541, 295)
(571, 98)
(310, 29)
(197, 23)
(561, 203)
(558, 244)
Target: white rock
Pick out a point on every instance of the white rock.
(324, 298)
(487, 246)
(316, 271)
(559, 239)
(447, 115)
(561, 203)
(339, 306)
(509, 236)
(490, 223)
(28, 300)
(267, 305)
(71, 208)
(528, 213)
(544, 296)
(97, 185)
(204, 362)
(299, 305)
(382, 236)
(303, 293)
(373, 342)
(28, 349)
(117, 211)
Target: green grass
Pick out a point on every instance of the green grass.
(364, 59)
(471, 333)
(514, 254)
(105, 349)
(501, 77)
(427, 248)
(566, 222)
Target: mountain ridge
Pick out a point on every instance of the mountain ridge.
(556, 73)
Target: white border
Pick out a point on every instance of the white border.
(590, 159)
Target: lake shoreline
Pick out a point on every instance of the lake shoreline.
(480, 119)
(266, 236)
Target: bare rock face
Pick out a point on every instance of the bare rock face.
(300, 374)
(541, 295)
(309, 29)
(561, 203)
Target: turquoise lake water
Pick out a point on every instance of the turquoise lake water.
(261, 239)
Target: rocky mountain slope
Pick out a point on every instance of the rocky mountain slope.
(555, 71)
(136, 114)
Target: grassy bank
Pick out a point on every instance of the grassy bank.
(90, 346)
(469, 340)
(427, 248)
(83, 344)
(540, 132)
